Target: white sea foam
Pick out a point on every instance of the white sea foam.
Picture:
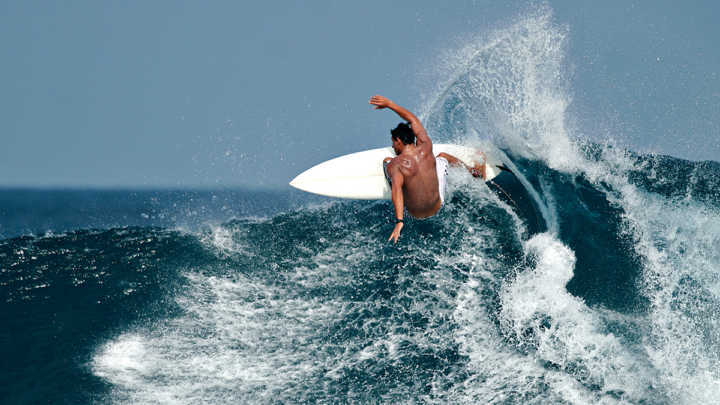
(499, 374)
(588, 365)
(241, 339)
(238, 340)
(679, 241)
(559, 328)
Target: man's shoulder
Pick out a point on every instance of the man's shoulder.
(394, 164)
(403, 165)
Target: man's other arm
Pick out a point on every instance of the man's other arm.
(398, 201)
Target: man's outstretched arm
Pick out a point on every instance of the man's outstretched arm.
(381, 102)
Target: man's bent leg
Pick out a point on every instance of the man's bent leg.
(477, 171)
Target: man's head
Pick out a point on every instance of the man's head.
(402, 135)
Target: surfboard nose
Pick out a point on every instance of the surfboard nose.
(297, 183)
(305, 181)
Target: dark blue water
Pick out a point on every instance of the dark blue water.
(310, 304)
(79, 265)
(239, 296)
(26, 211)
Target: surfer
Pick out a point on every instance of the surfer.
(416, 176)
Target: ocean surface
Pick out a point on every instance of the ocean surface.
(241, 296)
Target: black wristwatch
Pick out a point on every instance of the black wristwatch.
(397, 221)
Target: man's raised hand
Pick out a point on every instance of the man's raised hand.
(380, 102)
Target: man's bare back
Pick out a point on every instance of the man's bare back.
(420, 182)
(413, 173)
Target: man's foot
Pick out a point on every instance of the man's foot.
(478, 170)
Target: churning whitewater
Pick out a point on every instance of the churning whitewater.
(615, 301)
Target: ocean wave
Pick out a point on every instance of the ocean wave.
(614, 301)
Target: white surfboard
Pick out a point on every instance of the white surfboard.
(360, 175)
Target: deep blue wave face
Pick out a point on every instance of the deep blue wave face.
(607, 293)
(589, 223)
(65, 295)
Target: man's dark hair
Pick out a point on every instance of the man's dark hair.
(404, 133)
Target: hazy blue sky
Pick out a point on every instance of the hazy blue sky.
(173, 93)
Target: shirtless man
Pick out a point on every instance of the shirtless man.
(416, 176)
